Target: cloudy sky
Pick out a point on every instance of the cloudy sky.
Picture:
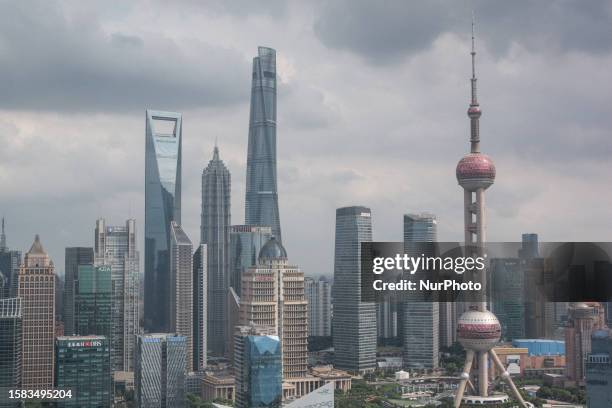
(371, 111)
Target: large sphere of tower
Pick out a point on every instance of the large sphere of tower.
(474, 171)
(478, 331)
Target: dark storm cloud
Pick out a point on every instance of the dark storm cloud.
(52, 61)
(239, 8)
(384, 32)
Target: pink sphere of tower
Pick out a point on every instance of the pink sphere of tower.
(478, 330)
(474, 171)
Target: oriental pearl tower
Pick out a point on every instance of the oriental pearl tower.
(478, 330)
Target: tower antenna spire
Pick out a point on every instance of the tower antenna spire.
(2, 237)
(474, 109)
(473, 53)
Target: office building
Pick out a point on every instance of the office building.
(10, 348)
(507, 279)
(200, 304)
(421, 320)
(245, 243)
(74, 256)
(93, 301)
(181, 294)
(529, 247)
(273, 295)
(115, 247)
(233, 318)
(599, 370)
(159, 372)
(584, 319)
(215, 233)
(10, 260)
(258, 366)
(261, 202)
(36, 288)
(318, 295)
(354, 321)
(82, 365)
(162, 205)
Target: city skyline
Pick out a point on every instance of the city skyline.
(319, 118)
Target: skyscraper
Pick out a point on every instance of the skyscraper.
(37, 292)
(261, 203)
(215, 233)
(478, 330)
(354, 321)
(245, 243)
(162, 205)
(258, 367)
(273, 295)
(318, 294)
(599, 370)
(584, 320)
(74, 256)
(10, 260)
(421, 319)
(181, 293)
(200, 304)
(10, 348)
(159, 372)
(82, 365)
(93, 301)
(115, 246)
(507, 278)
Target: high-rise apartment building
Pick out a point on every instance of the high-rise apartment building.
(10, 260)
(318, 295)
(82, 365)
(354, 321)
(181, 294)
(200, 304)
(162, 205)
(273, 295)
(421, 325)
(245, 243)
(36, 289)
(159, 372)
(584, 319)
(115, 247)
(93, 301)
(215, 233)
(507, 279)
(74, 256)
(258, 367)
(599, 370)
(261, 203)
(10, 348)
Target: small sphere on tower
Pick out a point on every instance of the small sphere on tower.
(478, 331)
(474, 171)
(474, 112)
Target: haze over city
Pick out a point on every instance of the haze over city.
(366, 116)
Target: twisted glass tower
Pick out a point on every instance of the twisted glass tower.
(162, 205)
(261, 203)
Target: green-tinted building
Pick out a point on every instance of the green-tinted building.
(82, 365)
(10, 349)
(93, 301)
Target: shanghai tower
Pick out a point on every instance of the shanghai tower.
(261, 202)
(162, 205)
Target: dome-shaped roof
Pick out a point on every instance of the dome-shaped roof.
(475, 170)
(273, 250)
